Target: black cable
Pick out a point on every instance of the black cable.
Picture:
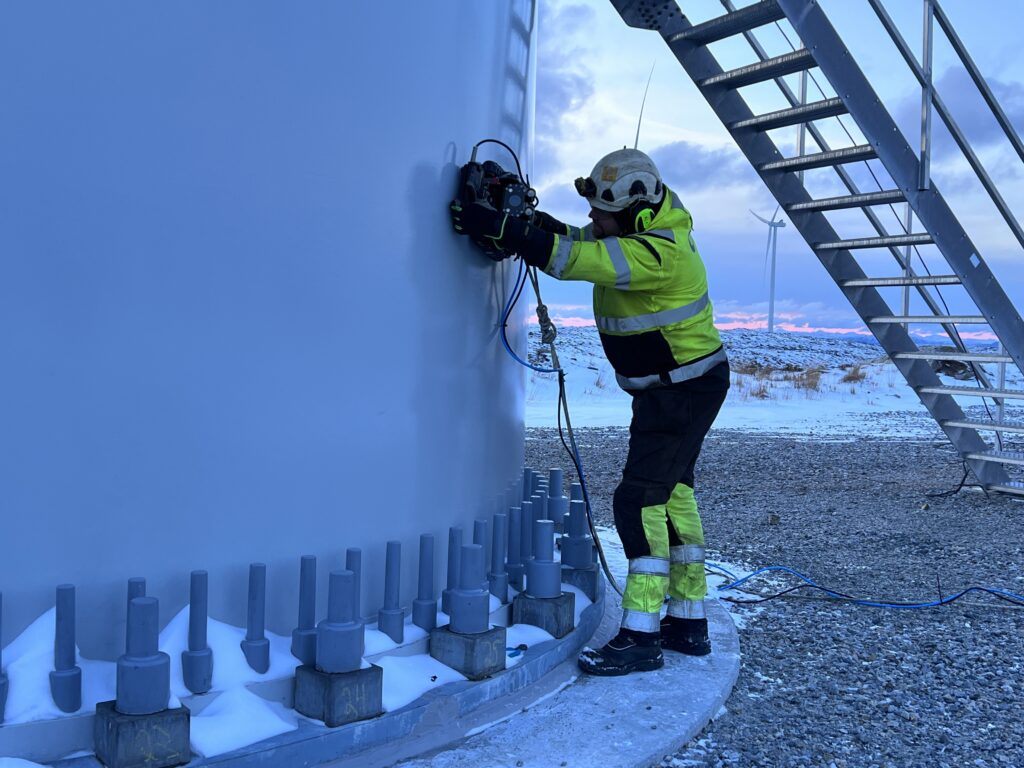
(960, 486)
(519, 169)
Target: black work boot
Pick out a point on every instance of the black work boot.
(689, 636)
(629, 651)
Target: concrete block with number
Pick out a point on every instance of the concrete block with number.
(158, 740)
(341, 697)
(476, 656)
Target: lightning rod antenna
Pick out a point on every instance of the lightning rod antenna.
(640, 119)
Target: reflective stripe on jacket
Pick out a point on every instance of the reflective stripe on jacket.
(651, 300)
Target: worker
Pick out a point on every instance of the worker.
(654, 316)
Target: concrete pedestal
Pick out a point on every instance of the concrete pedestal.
(341, 697)
(476, 656)
(584, 579)
(552, 614)
(159, 740)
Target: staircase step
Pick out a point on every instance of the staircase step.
(969, 357)
(743, 20)
(1002, 457)
(1014, 488)
(892, 241)
(883, 282)
(805, 113)
(769, 69)
(849, 201)
(821, 159)
(995, 394)
(986, 426)
(937, 319)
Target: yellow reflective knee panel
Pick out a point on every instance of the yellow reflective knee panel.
(682, 511)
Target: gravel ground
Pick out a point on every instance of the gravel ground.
(824, 683)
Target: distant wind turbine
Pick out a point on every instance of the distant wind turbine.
(773, 237)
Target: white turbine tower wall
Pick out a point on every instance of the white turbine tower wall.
(236, 325)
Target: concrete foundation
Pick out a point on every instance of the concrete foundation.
(552, 614)
(339, 698)
(476, 656)
(159, 740)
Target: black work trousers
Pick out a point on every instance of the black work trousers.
(665, 437)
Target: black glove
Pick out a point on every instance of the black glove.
(476, 220)
(549, 223)
(508, 235)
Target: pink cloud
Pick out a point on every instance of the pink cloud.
(760, 325)
(575, 322)
(740, 318)
(562, 307)
(569, 321)
(970, 335)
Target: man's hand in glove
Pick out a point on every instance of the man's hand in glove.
(477, 220)
(549, 223)
(509, 235)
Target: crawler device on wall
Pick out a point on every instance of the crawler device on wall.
(490, 184)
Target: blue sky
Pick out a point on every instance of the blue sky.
(592, 69)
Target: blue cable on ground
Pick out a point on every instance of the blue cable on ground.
(736, 583)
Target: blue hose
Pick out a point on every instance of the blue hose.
(520, 281)
(735, 584)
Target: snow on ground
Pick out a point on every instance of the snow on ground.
(785, 383)
(406, 678)
(236, 719)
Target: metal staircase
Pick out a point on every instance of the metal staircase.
(995, 465)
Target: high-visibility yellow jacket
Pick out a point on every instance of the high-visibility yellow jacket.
(650, 297)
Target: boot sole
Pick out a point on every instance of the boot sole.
(647, 665)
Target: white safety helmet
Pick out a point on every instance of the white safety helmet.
(620, 179)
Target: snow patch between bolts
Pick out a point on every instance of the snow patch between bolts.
(406, 678)
(236, 719)
(29, 659)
